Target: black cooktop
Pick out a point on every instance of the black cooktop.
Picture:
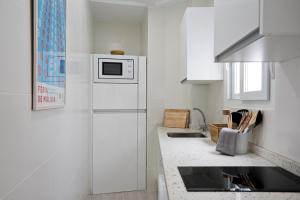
(239, 179)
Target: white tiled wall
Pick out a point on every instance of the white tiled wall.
(43, 155)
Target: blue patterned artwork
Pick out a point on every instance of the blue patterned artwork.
(49, 54)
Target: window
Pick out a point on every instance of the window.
(236, 80)
(249, 81)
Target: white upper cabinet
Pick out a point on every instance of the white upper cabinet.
(257, 30)
(197, 42)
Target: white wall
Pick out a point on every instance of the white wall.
(155, 90)
(164, 88)
(144, 35)
(215, 102)
(127, 34)
(279, 132)
(43, 155)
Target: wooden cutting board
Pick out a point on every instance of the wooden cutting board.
(176, 118)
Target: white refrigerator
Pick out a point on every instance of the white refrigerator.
(119, 129)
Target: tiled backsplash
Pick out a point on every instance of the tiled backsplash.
(276, 158)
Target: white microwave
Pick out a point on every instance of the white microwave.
(115, 68)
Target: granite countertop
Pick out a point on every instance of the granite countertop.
(201, 152)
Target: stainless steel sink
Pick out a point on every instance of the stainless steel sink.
(186, 135)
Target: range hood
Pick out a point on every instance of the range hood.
(262, 48)
(257, 30)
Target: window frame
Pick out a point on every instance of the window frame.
(234, 95)
(262, 95)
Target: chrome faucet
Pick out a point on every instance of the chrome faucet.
(205, 128)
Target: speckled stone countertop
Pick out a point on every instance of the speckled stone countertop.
(201, 152)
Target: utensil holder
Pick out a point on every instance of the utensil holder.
(242, 141)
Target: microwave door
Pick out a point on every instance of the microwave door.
(112, 69)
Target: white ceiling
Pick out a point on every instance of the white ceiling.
(117, 12)
(139, 2)
(132, 11)
(156, 2)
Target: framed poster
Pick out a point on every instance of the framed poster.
(49, 54)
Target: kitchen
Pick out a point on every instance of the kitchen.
(56, 163)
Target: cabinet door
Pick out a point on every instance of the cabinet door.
(142, 154)
(200, 40)
(197, 46)
(115, 96)
(234, 19)
(183, 47)
(115, 152)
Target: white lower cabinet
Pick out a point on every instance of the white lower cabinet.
(162, 188)
(162, 193)
(115, 152)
